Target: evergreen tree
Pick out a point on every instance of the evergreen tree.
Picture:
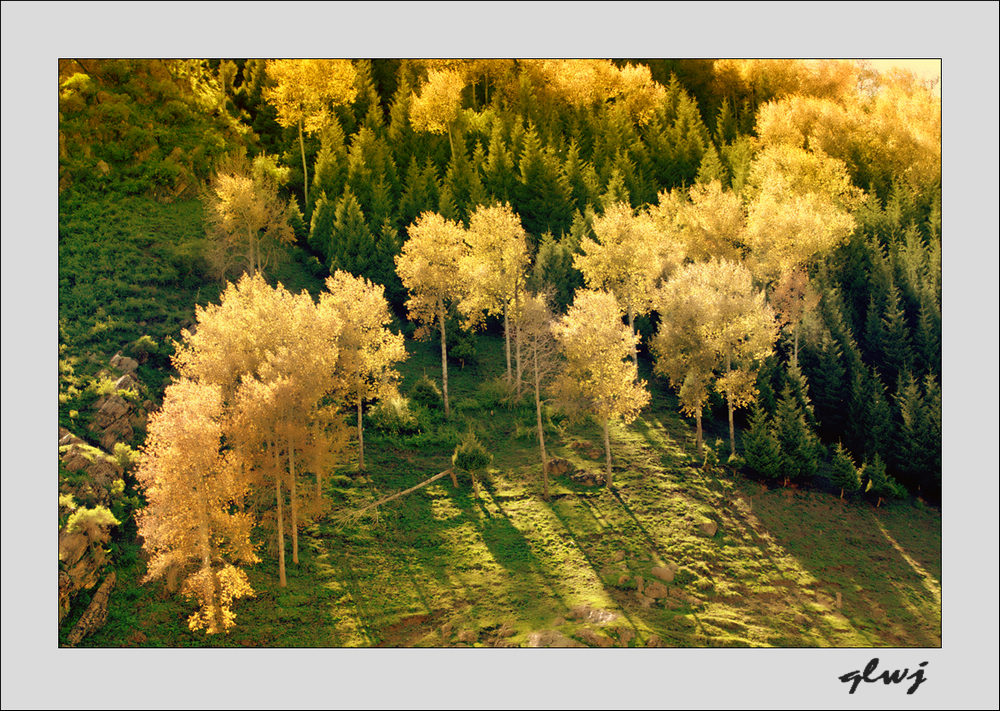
(880, 483)
(367, 109)
(581, 178)
(421, 193)
(353, 248)
(828, 385)
(843, 472)
(797, 442)
(554, 271)
(321, 227)
(725, 123)
(615, 192)
(499, 177)
(760, 448)
(400, 133)
(542, 196)
(330, 168)
(711, 168)
(895, 346)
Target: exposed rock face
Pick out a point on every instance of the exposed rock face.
(95, 614)
(124, 363)
(657, 590)
(102, 469)
(593, 638)
(468, 636)
(584, 613)
(587, 478)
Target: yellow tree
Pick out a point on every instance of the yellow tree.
(495, 266)
(703, 222)
(743, 329)
(429, 267)
(274, 357)
(540, 355)
(626, 260)
(246, 218)
(368, 350)
(304, 93)
(598, 377)
(192, 524)
(438, 106)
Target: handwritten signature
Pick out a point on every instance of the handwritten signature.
(897, 676)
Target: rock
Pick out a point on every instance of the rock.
(624, 635)
(468, 636)
(654, 641)
(126, 382)
(639, 582)
(588, 614)
(665, 572)
(708, 528)
(124, 363)
(558, 467)
(587, 478)
(619, 556)
(623, 578)
(551, 638)
(446, 629)
(95, 614)
(657, 590)
(594, 639)
(559, 621)
(70, 438)
(113, 420)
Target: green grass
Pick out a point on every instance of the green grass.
(510, 562)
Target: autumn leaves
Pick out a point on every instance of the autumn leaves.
(263, 381)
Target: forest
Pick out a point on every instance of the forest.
(499, 353)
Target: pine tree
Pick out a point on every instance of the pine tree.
(353, 247)
(795, 439)
(843, 472)
(880, 482)
(895, 344)
(321, 227)
(330, 168)
(499, 177)
(760, 448)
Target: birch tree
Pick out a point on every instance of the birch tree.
(429, 267)
(597, 378)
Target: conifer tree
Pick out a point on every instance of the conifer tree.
(353, 247)
(760, 448)
(321, 227)
(429, 269)
(796, 441)
(880, 483)
(597, 378)
(330, 168)
(843, 472)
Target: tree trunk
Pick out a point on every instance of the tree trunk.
(212, 588)
(295, 504)
(607, 456)
(698, 441)
(631, 328)
(305, 175)
(506, 341)
(517, 338)
(729, 403)
(795, 344)
(444, 361)
(361, 439)
(841, 492)
(281, 532)
(541, 433)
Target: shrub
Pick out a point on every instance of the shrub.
(426, 393)
(493, 393)
(393, 416)
(880, 482)
(470, 455)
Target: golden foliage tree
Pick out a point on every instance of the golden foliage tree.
(368, 350)
(246, 218)
(192, 523)
(274, 356)
(625, 259)
(703, 222)
(495, 267)
(598, 377)
(437, 108)
(540, 353)
(304, 92)
(429, 267)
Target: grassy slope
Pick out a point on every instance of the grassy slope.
(510, 562)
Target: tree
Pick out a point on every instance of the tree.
(495, 266)
(624, 260)
(843, 472)
(597, 379)
(191, 486)
(304, 94)
(797, 442)
(273, 355)
(429, 267)
(470, 456)
(540, 355)
(880, 482)
(703, 222)
(437, 108)
(246, 219)
(760, 448)
(368, 349)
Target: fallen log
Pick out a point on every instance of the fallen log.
(360, 512)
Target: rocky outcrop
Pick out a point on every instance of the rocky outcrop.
(559, 467)
(94, 616)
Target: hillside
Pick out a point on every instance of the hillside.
(767, 236)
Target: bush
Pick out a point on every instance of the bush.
(470, 455)
(426, 393)
(494, 393)
(393, 416)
